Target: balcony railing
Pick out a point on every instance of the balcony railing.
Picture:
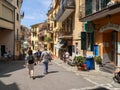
(85, 12)
(65, 10)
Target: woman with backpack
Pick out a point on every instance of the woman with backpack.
(30, 62)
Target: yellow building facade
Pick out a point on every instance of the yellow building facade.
(17, 46)
(67, 27)
(7, 27)
(34, 37)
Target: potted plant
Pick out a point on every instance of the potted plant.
(79, 61)
(98, 60)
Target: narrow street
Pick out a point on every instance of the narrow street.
(14, 76)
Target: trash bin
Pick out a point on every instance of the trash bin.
(90, 63)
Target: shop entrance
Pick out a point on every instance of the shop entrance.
(110, 47)
(114, 47)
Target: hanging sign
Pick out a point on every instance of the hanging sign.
(110, 26)
(89, 27)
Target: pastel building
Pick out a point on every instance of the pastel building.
(102, 25)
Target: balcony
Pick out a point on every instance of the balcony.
(65, 10)
(65, 35)
(108, 10)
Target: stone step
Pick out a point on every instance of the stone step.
(108, 68)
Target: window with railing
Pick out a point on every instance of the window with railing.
(61, 3)
(104, 3)
(67, 26)
(34, 32)
(88, 7)
(97, 5)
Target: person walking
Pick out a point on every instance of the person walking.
(45, 57)
(67, 55)
(9, 54)
(38, 53)
(30, 62)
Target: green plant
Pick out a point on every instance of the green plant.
(79, 60)
(48, 39)
(98, 59)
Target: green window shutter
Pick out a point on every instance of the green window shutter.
(83, 40)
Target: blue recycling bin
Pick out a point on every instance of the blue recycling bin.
(90, 63)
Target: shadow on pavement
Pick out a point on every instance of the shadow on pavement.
(99, 88)
(52, 72)
(11, 66)
(40, 76)
(12, 86)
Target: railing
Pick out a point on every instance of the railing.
(83, 11)
(66, 4)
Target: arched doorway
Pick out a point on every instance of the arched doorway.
(110, 46)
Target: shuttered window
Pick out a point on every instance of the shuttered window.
(83, 40)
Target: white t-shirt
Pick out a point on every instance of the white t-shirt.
(67, 55)
(44, 56)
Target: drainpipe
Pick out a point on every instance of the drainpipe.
(14, 38)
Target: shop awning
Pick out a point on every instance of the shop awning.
(58, 46)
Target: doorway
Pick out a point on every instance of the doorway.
(114, 47)
(2, 50)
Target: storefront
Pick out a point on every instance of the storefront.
(107, 33)
(107, 37)
(63, 45)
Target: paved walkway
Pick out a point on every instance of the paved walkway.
(97, 77)
(14, 76)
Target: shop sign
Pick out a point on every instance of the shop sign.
(110, 26)
(88, 26)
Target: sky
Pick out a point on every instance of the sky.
(34, 11)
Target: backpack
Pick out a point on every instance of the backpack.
(38, 53)
(48, 56)
(30, 59)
